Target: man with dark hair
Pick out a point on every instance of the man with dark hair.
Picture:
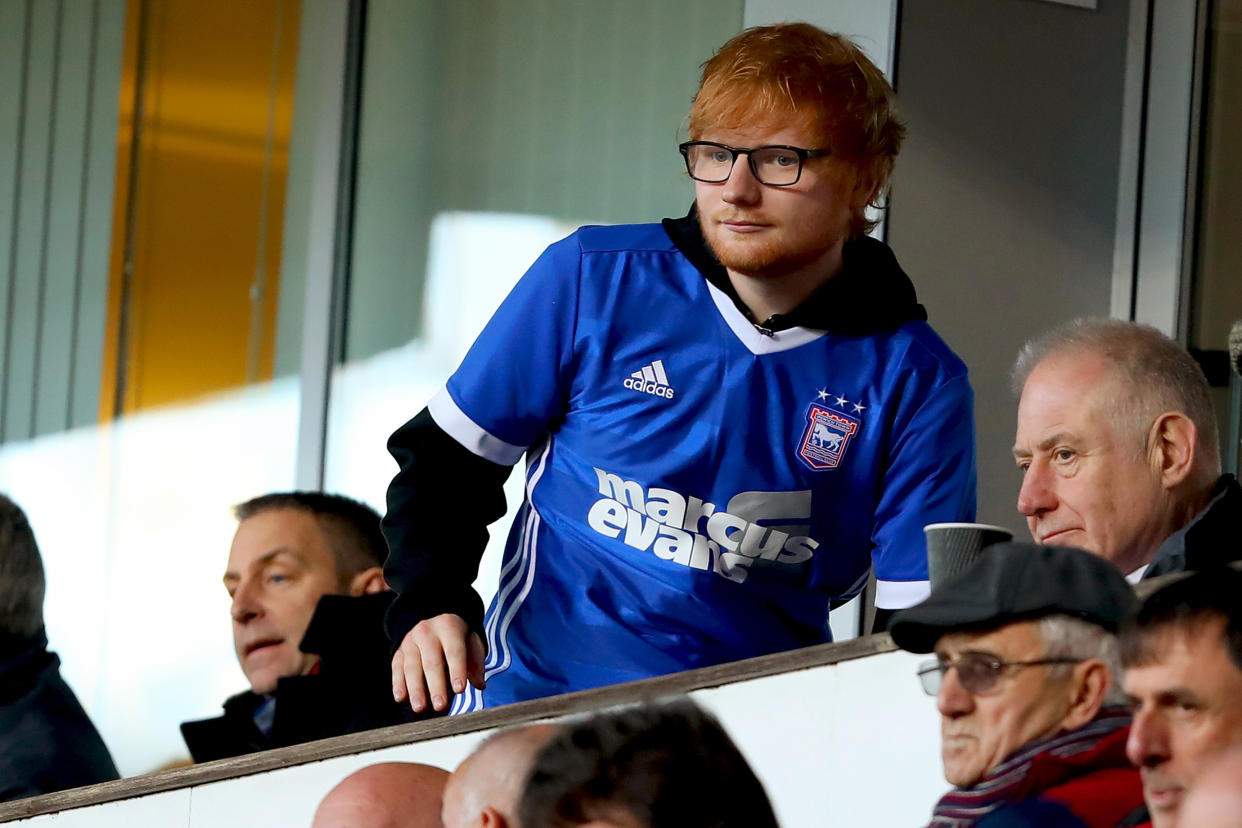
(730, 419)
(1182, 654)
(654, 766)
(47, 742)
(1118, 449)
(309, 598)
(1032, 728)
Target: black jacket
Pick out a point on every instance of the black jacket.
(1212, 538)
(47, 742)
(437, 540)
(351, 692)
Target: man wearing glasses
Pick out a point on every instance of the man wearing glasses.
(1033, 725)
(727, 418)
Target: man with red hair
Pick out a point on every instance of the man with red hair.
(729, 419)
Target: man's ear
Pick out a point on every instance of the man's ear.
(865, 188)
(368, 582)
(1089, 685)
(1174, 440)
(491, 818)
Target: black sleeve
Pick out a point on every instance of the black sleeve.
(439, 506)
(882, 617)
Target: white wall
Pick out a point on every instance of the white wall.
(852, 744)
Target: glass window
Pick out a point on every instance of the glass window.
(486, 135)
(151, 387)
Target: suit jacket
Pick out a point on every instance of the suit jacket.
(47, 742)
(1212, 538)
(351, 692)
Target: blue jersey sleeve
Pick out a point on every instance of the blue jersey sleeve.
(930, 479)
(514, 381)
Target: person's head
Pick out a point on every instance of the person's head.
(1182, 654)
(21, 574)
(792, 84)
(387, 795)
(483, 792)
(291, 549)
(644, 767)
(1116, 438)
(1025, 649)
(1215, 800)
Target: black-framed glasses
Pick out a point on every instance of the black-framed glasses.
(776, 165)
(978, 673)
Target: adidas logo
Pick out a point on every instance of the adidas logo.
(651, 380)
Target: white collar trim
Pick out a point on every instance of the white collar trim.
(755, 342)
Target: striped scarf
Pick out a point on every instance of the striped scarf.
(963, 807)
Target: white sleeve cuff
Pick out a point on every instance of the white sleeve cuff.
(894, 595)
(470, 434)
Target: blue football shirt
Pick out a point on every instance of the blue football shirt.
(697, 491)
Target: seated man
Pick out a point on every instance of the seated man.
(385, 795)
(1118, 450)
(485, 788)
(666, 766)
(47, 742)
(1031, 729)
(309, 598)
(1182, 655)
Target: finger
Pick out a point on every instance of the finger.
(412, 673)
(456, 658)
(398, 677)
(434, 674)
(478, 654)
(414, 684)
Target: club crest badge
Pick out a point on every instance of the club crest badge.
(826, 437)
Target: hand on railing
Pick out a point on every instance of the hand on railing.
(437, 648)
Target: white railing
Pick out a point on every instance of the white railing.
(839, 734)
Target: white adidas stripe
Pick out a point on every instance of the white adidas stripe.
(658, 367)
(520, 572)
(652, 373)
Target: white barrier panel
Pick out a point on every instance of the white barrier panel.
(852, 743)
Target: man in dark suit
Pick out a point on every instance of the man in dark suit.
(1118, 450)
(309, 597)
(47, 742)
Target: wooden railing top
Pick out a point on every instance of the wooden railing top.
(507, 716)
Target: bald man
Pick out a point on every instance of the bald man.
(1215, 799)
(484, 790)
(386, 795)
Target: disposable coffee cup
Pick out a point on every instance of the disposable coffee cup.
(952, 547)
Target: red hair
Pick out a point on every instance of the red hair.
(796, 73)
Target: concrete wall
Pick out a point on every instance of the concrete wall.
(1005, 196)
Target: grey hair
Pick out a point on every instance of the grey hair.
(1067, 637)
(1155, 375)
(21, 574)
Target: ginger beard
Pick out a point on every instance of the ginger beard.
(767, 253)
(756, 229)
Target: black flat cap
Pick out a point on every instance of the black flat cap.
(1016, 582)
